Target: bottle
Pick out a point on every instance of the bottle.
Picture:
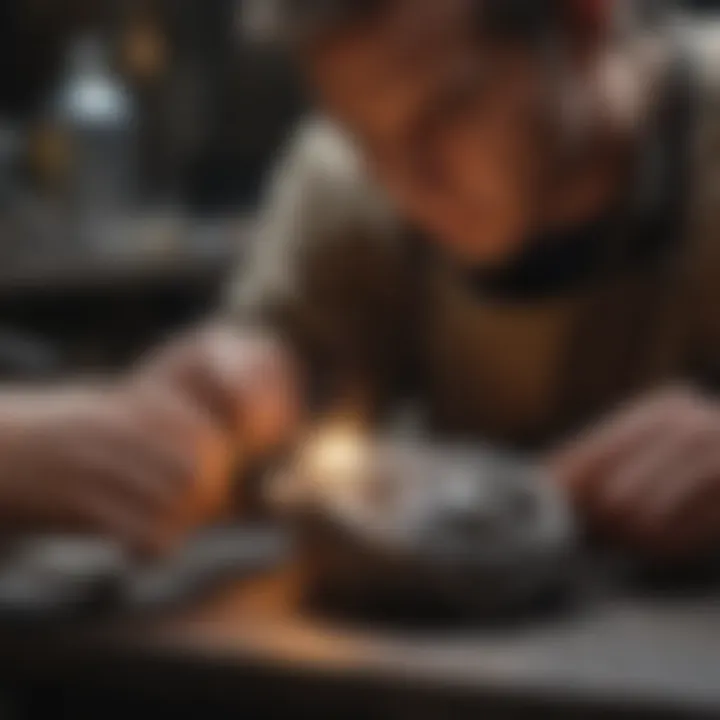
(96, 114)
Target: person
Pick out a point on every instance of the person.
(507, 211)
(503, 209)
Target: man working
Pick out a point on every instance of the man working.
(506, 210)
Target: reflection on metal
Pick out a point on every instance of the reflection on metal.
(409, 526)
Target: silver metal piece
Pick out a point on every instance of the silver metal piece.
(466, 530)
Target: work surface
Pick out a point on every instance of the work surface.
(620, 655)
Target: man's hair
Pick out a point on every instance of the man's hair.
(301, 20)
(297, 20)
(289, 21)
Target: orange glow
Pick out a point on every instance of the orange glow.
(335, 454)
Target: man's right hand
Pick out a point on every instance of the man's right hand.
(151, 457)
(138, 467)
(247, 382)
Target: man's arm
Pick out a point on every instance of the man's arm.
(327, 272)
(147, 457)
(142, 467)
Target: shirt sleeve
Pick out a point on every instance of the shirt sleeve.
(326, 268)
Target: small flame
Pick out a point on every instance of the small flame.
(335, 454)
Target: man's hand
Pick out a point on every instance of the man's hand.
(246, 382)
(143, 468)
(150, 458)
(650, 475)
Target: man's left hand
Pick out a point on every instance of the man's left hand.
(650, 475)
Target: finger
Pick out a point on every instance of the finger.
(693, 488)
(618, 503)
(207, 381)
(229, 365)
(247, 384)
(270, 407)
(206, 489)
(134, 439)
(140, 464)
(191, 366)
(173, 436)
(666, 499)
(655, 468)
(99, 513)
(106, 463)
(593, 456)
(179, 415)
(599, 446)
(210, 493)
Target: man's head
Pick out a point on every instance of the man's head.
(467, 110)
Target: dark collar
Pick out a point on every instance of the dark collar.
(562, 263)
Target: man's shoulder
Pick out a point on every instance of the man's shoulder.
(321, 143)
(325, 237)
(324, 162)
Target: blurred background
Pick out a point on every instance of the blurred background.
(134, 137)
